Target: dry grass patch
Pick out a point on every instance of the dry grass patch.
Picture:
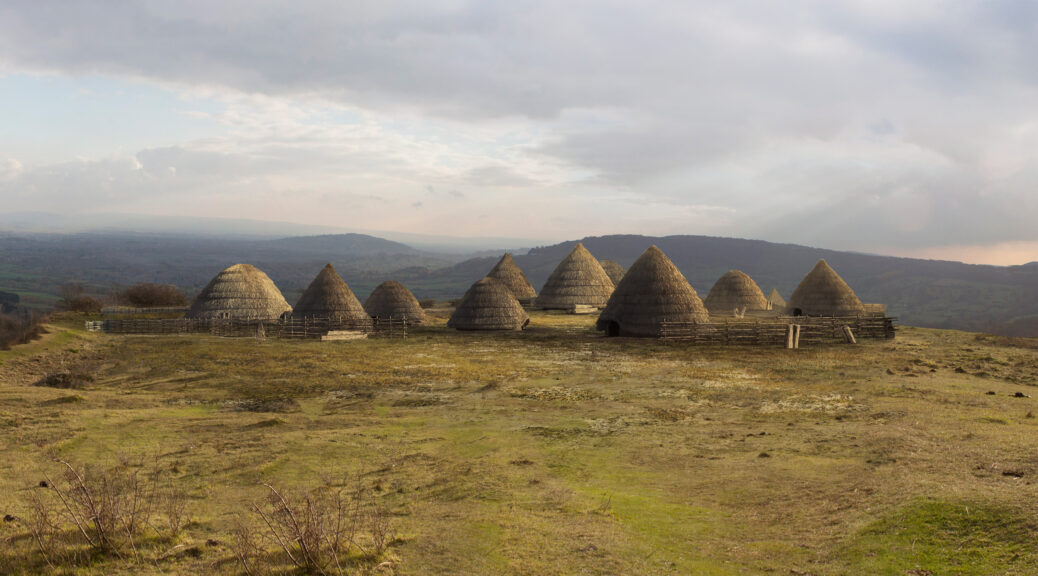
(552, 451)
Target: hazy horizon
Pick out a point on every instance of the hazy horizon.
(259, 229)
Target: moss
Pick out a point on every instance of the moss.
(947, 537)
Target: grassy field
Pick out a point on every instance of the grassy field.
(553, 451)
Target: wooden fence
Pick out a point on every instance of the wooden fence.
(132, 311)
(235, 328)
(775, 331)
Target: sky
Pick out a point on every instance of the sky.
(906, 128)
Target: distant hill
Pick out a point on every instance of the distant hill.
(346, 244)
(37, 265)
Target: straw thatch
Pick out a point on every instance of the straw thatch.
(578, 280)
(488, 305)
(392, 299)
(614, 270)
(652, 291)
(734, 291)
(329, 297)
(508, 273)
(241, 292)
(776, 300)
(823, 293)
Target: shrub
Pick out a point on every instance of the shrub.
(316, 531)
(106, 509)
(65, 379)
(149, 295)
(427, 302)
(74, 299)
(20, 328)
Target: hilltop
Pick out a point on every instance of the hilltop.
(552, 451)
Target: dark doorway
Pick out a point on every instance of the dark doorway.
(612, 329)
(798, 312)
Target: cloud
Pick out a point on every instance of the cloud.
(10, 168)
(854, 124)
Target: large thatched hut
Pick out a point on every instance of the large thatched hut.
(776, 301)
(241, 292)
(823, 293)
(614, 270)
(507, 272)
(733, 291)
(392, 299)
(578, 280)
(652, 291)
(488, 305)
(329, 298)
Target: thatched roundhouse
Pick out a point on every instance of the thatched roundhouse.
(734, 291)
(507, 272)
(240, 292)
(652, 291)
(392, 299)
(578, 280)
(823, 293)
(329, 298)
(776, 301)
(614, 270)
(489, 305)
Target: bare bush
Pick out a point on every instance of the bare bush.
(247, 549)
(173, 501)
(317, 531)
(427, 302)
(106, 509)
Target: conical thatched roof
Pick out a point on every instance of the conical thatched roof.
(613, 270)
(508, 273)
(652, 291)
(823, 293)
(329, 297)
(392, 299)
(241, 291)
(734, 290)
(578, 279)
(776, 300)
(488, 305)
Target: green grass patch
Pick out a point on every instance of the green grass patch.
(942, 536)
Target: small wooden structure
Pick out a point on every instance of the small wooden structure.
(236, 328)
(789, 332)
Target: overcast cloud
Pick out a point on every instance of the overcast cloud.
(900, 127)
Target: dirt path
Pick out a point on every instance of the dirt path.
(61, 348)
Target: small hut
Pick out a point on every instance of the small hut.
(489, 305)
(240, 292)
(652, 291)
(578, 280)
(776, 301)
(614, 270)
(734, 291)
(507, 272)
(823, 293)
(329, 298)
(392, 299)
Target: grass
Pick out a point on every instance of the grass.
(556, 451)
